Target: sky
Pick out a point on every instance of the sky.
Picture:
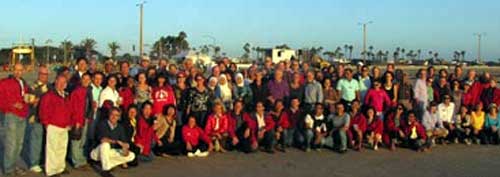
(437, 25)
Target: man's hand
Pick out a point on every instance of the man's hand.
(261, 134)
(159, 143)
(246, 134)
(235, 141)
(18, 105)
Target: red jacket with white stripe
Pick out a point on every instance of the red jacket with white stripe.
(10, 94)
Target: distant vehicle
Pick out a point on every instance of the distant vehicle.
(278, 55)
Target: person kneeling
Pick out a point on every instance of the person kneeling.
(113, 149)
(415, 135)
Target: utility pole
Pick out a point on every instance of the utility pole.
(48, 51)
(364, 24)
(479, 36)
(141, 39)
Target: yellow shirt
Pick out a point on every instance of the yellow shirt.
(477, 120)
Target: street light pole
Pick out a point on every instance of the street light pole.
(364, 24)
(479, 36)
(141, 39)
(48, 50)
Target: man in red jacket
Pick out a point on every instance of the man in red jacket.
(82, 111)
(415, 133)
(261, 128)
(13, 106)
(55, 113)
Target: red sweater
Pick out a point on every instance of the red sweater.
(55, 110)
(377, 99)
(77, 102)
(281, 121)
(10, 92)
(212, 121)
(194, 135)
(376, 126)
(127, 97)
(360, 120)
(162, 96)
(145, 135)
(232, 123)
(390, 123)
(251, 121)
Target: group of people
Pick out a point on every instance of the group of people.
(109, 118)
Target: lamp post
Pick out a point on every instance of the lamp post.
(141, 15)
(364, 24)
(479, 36)
(47, 42)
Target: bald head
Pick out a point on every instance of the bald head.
(18, 71)
(43, 74)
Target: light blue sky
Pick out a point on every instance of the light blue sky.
(442, 25)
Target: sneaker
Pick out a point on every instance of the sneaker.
(197, 153)
(375, 147)
(467, 142)
(203, 154)
(308, 150)
(36, 169)
(190, 154)
(455, 141)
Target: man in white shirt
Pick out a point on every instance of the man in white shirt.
(445, 111)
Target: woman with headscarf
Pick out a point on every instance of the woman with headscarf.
(242, 91)
(225, 92)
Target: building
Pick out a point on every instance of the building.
(278, 55)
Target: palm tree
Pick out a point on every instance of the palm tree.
(331, 55)
(350, 51)
(88, 44)
(247, 50)
(419, 52)
(370, 52)
(346, 47)
(66, 46)
(113, 47)
(463, 55)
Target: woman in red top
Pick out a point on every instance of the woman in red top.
(145, 134)
(357, 127)
(197, 142)
(377, 98)
(393, 127)
(217, 127)
(163, 94)
(374, 129)
(281, 122)
(127, 94)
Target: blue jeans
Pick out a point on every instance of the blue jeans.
(32, 153)
(305, 138)
(78, 157)
(290, 136)
(12, 140)
(340, 138)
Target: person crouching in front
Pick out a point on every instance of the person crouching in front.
(197, 142)
(145, 133)
(260, 129)
(113, 149)
(217, 127)
(415, 135)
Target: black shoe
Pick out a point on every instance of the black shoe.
(269, 151)
(106, 174)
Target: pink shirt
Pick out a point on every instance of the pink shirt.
(377, 99)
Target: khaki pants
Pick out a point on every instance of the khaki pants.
(110, 157)
(55, 148)
(437, 133)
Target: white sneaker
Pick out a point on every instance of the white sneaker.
(36, 169)
(190, 154)
(197, 153)
(203, 154)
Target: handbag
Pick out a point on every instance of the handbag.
(75, 133)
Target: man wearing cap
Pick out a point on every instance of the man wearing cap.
(144, 65)
(14, 108)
